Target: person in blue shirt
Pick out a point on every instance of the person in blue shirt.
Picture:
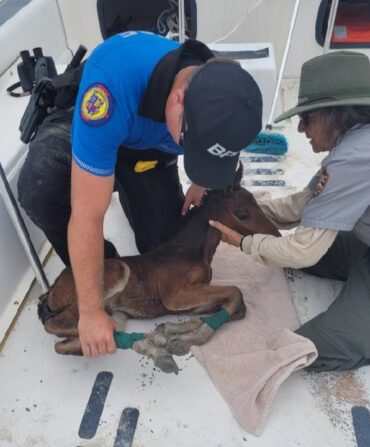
(143, 100)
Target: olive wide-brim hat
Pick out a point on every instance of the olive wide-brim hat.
(341, 78)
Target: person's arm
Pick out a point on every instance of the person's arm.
(193, 196)
(304, 248)
(286, 212)
(90, 198)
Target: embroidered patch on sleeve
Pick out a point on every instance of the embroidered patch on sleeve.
(97, 105)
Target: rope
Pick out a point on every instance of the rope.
(246, 14)
(168, 20)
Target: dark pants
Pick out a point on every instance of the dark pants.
(342, 333)
(151, 200)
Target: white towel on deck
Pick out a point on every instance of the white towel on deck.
(250, 358)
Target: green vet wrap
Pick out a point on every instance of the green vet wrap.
(217, 320)
(125, 341)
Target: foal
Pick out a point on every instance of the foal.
(171, 279)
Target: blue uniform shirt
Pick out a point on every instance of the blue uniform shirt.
(106, 115)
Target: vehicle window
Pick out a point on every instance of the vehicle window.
(352, 24)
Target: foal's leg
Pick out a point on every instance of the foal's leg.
(58, 308)
(179, 338)
(65, 325)
(71, 344)
(141, 343)
(63, 292)
(161, 357)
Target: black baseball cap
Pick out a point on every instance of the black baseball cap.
(222, 115)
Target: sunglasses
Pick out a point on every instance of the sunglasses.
(306, 117)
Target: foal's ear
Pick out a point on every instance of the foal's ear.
(238, 176)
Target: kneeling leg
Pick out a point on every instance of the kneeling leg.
(342, 333)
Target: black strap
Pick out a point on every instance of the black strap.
(11, 91)
(69, 78)
(244, 54)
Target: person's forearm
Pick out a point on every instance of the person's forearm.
(86, 245)
(286, 212)
(302, 249)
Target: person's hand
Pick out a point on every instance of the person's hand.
(96, 334)
(193, 196)
(228, 235)
(324, 177)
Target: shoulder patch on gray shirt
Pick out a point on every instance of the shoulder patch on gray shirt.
(346, 197)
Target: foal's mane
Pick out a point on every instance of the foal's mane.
(194, 234)
(189, 237)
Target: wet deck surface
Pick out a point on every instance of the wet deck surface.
(122, 400)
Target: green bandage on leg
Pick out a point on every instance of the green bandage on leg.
(217, 320)
(125, 340)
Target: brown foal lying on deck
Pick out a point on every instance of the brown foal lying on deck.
(173, 278)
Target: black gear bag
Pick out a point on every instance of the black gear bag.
(157, 16)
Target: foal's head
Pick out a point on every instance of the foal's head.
(235, 207)
(238, 209)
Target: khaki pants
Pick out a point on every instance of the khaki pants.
(342, 333)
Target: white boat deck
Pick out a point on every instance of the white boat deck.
(43, 396)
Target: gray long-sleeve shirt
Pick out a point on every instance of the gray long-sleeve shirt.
(343, 205)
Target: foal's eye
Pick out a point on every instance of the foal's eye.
(241, 214)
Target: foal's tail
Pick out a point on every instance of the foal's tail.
(43, 310)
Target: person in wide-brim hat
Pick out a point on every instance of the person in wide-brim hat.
(331, 215)
(332, 80)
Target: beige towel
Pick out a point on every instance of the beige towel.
(249, 359)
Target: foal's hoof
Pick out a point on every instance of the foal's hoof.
(43, 310)
(177, 346)
(166, 363)
(157, 336)
(69, 346)
(160, 327)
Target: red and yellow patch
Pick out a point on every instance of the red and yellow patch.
(97, 105)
